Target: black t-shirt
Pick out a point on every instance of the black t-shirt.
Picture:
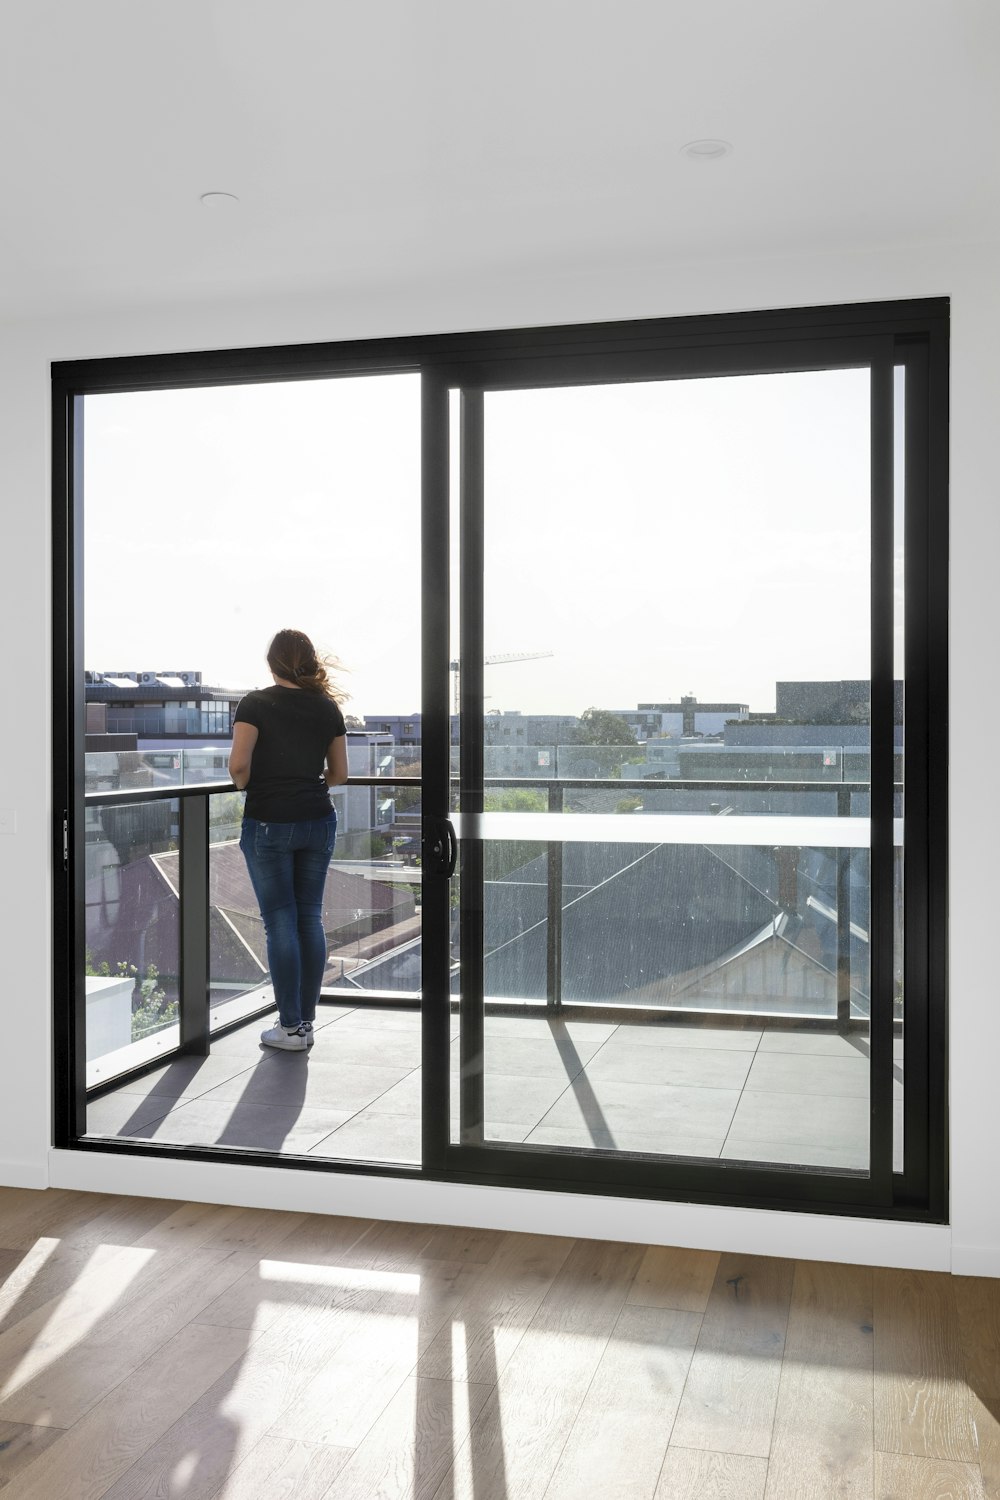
(294, 730)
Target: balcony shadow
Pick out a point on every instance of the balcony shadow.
(263, 1117)
(576, 1071)
(862, 1047)
(484, 1446)
(218, 1434)
(31, 1453)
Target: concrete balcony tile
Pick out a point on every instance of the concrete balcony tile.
(529, 1058)
(120, 1113)
(585, 1035)
(370, 1136)
(801, 1073)
(376, 1019)
(803, 1120)
(246, 1126)
(661, 1110)
(624, 1060)
(367, 1047)
(188, 1077)
(816, 1043)
(295, 1079)
(683, 1034)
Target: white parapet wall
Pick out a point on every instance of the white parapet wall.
(109, 1015)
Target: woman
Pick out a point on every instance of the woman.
(289, 747)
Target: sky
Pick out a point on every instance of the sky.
(704, 536)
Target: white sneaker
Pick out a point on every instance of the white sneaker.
(281, 1036)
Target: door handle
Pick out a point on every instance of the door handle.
(441, 845)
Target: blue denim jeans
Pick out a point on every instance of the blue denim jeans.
(288, 864)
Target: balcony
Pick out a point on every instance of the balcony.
(670, 968)
(743, 1093)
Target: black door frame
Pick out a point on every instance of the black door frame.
(881, 334)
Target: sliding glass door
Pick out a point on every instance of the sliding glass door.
(674, 771)
(643, 621)
(213, 516)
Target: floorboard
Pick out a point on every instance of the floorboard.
(822, 1443)
(978, 1303)
(682, 1279)
(117, 1431)
(729, 1401)
(900, 1477)
(152, 1350)
(922, 1404)
(619, 1439)
(692, 1475)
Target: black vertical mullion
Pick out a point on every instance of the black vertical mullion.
(882, 769)
(844, 923)
(554, 908)
(935, 666)
(68, 810)
(471, 662)
(76, 743)
(435, 768)
(916, 711)
(194, 965)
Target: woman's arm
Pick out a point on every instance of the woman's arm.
(240, 756)
(336, 761)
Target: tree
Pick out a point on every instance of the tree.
(598, 726)
(516, 799)
(226, 812)
(151, 1010)
(503, 856)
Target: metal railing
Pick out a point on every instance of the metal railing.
(520, 826)
(194, 842)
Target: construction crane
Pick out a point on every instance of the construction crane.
(455, 668)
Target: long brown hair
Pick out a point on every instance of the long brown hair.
(293, 656)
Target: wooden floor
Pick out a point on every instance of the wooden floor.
(149, 1349)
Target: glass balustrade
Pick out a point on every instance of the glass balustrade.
(132, 901)
(639, 902)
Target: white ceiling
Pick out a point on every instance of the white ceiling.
(403, 141)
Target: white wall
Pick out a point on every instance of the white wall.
(967, 274)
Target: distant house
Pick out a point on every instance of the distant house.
(162, 709)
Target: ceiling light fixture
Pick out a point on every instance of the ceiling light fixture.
(218, 200)
(706, 150)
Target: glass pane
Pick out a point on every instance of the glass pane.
(677, 762)
(132, 935)
(372, 912)
(899, 674)
(264, 506)
(238, 974)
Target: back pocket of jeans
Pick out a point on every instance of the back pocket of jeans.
(273, 837)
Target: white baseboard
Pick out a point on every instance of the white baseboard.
(975, 1260)
(24, 1174)
(876, 1242)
